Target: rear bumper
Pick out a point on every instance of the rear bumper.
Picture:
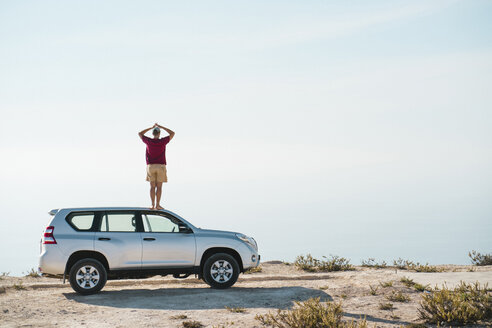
(52, 261)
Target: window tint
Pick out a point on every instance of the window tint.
(119, 222)
(158, 223)
(81, 221)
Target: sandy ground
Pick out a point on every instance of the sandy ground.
(45, 302)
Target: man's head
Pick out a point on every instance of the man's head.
(156, 132)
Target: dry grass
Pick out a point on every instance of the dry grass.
(236, 309)
(192, 324)
(386, 306)
(33, 273)
(179, 317)
(373, 290)
(19, 286)
(372, 263)
(466, 304)
(333, 263)
(257, 269)
(309, 314)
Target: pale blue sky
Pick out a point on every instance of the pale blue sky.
(356, 128)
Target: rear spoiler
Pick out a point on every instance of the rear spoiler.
(53, 212)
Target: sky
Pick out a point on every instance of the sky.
(359, 129)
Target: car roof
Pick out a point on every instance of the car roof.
(110, 208)
(82, 209)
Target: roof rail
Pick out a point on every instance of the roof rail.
(53, 212)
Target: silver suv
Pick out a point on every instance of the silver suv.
(91, 245)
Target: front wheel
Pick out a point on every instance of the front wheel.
(87, 276)
(221, 271)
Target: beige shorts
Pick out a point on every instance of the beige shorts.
(156, 173)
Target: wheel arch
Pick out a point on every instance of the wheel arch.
(79, 255)
(214, 250)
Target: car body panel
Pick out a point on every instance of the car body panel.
(128, 250)
(123, 250)
(168, 249)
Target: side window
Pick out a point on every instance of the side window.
(119, 222)
(81, 221)
(158, 223)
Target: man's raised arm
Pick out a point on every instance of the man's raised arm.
(171, 132)
(141, 133)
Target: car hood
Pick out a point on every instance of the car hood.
(216, 232)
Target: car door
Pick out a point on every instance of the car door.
(119, 239)
(166, 242)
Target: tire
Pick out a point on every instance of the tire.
(221, 271)
(87, 276)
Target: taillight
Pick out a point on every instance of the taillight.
(48, 237)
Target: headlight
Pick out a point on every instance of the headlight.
(248, 240)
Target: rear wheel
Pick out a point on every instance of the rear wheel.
(87, 276)
(221, 271)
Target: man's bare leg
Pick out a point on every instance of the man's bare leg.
(158, 195)
(152, 194)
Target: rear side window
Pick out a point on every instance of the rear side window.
(119, 222)
(81, 221)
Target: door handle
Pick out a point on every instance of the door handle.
(104, 238)
(149, 239)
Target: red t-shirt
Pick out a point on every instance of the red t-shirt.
(156, 150)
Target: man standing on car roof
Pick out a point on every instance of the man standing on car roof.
(155, 155)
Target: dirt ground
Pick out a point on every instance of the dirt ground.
(156, 302)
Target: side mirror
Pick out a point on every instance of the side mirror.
(185, 229)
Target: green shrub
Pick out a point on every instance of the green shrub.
(412, 284)
(407, 282)
(398, 297)
(466, 304)
(409, 265)
(371, 263)
(420, 288)
(426, 268)
(480, 259)
(386, 284)
(309, 314)
(402, 264)
(334, 263)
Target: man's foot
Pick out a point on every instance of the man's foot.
(159, 207)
